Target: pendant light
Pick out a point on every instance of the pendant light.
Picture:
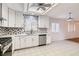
(70, 17)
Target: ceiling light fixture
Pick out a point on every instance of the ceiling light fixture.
(70, 17)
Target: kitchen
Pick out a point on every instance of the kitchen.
(24, 29)
(25, 26)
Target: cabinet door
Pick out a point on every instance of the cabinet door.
(19, 19)
(0, 10)
(35, 41)
(46, 22)
(4, 11)
(22, 41)
(48, 41)
(43, 22)
(40, 21)
(11, 18)
(16, 43)
(28, 41)
(5, 14)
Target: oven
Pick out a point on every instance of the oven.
(5, 44)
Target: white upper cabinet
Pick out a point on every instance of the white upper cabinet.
(4, 11)
(4, 14)
(16, 18)
(43, 22)
(19, 19)
(11, 18)
(0, 10)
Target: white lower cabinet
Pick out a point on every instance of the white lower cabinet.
(25, 42)
(35, 41)
(22, 42)
(48, 41)
(16, 43)
(28, 41)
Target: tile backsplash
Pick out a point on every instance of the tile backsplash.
(16, 31)
(10, 31)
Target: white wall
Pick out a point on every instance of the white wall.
(63, 34)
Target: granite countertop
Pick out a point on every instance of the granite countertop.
(18, 35)
(12, 35)
(22, 35)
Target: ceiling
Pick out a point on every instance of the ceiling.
(36, 8)
(15, 6)
(62, 9)
(29, 8)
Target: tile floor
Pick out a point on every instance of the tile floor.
(57, 48)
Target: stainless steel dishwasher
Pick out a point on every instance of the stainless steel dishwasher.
(42, 39)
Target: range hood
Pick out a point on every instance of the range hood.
(38, 8)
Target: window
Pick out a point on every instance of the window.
(71, 27)
(30, 23)
(55, 27)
